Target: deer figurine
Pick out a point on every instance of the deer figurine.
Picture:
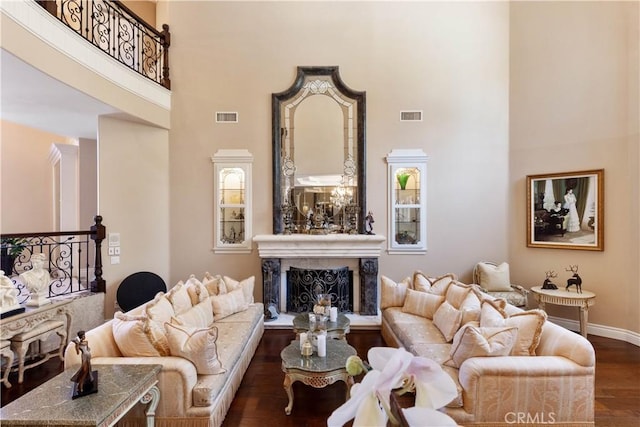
(575, 279)
(548, 284)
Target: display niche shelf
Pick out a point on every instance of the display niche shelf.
(232, 189)
(407, 174)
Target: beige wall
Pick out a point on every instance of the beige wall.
(574, 106)
(133, 186)
(448, 59)
(27, 178)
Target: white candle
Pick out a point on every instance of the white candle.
(322, 345)
(303, 338)
(333, 314)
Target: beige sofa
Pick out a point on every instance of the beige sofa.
(187, 397)
(511, 366)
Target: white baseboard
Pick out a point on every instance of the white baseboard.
(600, 330)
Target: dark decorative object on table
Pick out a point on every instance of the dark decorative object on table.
(575, 279)
(368, 223)
(85, 380)
(548, 284)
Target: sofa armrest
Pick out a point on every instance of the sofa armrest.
(494, 387)
(176, 380)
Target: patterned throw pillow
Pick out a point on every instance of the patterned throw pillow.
(197, 345)
(214, 284)
(447, 319)
(421, 281)
(529, 324)
(196, 290)
(392, 294)
(228, 304)
(159, 309)
(439, 285)
(139, 336)
(473, 341)
(200, 315)
(246, 285)
(421, 303)
(179, 297)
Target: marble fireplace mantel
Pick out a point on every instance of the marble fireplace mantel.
(365, 249)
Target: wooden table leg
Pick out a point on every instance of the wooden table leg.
(287, 387)
(152, 398)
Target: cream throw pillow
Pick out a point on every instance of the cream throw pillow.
(494, 278)
(228, 304)
(214, 284)
(439, 285)
(421, 281)
(246, 285)
(197, 345)
(392, 294)
(160, 309)
(139, 336)
(447, 319)
(200, 315)
(456, 293)
(196, 290)
(529, 324)
(421, 303)
(472, 341)
(179, 297)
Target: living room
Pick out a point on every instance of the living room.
(506, 89)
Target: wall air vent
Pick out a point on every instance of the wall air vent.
(411, 116)
(226, 117)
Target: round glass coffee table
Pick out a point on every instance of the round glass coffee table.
(316, 371)
(338, 329)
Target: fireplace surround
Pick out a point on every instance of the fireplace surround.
(359, 252)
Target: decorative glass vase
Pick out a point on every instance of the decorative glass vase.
(402, 180)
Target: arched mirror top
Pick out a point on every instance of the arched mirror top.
(318, 155)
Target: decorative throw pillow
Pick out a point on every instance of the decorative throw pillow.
(421, 281)
(494, 278)
(447, 319)
(421, 303)
(214, 284)
(529, 324)
(392, 294)
(440, 284)
(472, 341)
(197, 345)
(470, 308)
(457, 292)
(196, 290)
(228, 304)
(246, 285)
(179, 297)
(139, 336)
(200, 315)
(160, 309)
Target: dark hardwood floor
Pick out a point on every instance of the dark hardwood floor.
(261, 398)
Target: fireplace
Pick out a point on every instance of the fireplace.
(304, 285)
(358, 253)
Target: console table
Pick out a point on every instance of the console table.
(582, 300)
(120, 387)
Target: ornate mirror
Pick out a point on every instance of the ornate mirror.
(319, 155)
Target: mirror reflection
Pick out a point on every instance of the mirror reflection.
(318, 140)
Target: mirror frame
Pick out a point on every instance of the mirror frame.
(303, 73)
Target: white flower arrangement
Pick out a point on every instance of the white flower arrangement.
(395, 370)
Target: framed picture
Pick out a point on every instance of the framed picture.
(566, 210)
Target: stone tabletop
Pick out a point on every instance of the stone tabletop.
(119, 387)
(337, 353)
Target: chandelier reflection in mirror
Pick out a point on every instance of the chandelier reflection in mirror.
(232, 205)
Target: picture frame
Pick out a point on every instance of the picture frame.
(566, 210)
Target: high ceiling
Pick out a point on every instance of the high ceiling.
(33, 98)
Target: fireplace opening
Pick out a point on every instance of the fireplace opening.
(304, 286)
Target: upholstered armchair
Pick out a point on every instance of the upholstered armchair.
(495, 280)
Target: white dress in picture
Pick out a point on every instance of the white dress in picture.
(573, 220)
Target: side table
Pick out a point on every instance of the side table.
(314, 370)
(582, 300)
(120, 388)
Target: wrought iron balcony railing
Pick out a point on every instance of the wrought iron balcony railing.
(119, 32)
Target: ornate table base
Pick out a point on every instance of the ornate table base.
(582, 300)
